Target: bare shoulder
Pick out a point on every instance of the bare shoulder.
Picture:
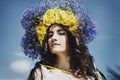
(35, 73)
(38, 74)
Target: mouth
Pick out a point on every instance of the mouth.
(55, 44)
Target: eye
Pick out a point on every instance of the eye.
(61, 32)
(50, 34)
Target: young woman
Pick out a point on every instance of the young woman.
(57, 32)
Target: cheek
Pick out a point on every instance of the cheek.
(64, 41)
(49, 42)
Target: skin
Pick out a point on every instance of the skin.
(58, 40)
(58, 44)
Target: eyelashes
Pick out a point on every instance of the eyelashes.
(50, 34)
(61, 32)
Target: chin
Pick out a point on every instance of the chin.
(55, 51)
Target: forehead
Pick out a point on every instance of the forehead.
(55, 27)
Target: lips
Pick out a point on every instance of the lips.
(54, 44)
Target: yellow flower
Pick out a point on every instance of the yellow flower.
(51, 16)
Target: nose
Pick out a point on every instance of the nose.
(54, 37)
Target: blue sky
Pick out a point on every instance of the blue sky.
(105, 48)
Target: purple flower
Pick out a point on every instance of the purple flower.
(31, 16)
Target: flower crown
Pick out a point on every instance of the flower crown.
(51, 16)
(38, 17)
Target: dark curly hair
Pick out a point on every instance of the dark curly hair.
(81, 62)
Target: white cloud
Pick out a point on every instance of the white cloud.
(20, 66)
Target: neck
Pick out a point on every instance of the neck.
(63, 62)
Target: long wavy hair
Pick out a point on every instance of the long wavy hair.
(81, 62)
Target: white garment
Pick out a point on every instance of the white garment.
(56, 74)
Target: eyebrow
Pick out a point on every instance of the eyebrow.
(57, 30)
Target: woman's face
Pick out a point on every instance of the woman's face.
(57, 40)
